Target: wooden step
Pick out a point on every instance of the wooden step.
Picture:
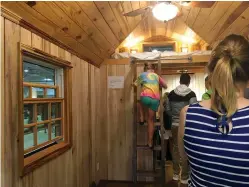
(145, 147)
(149, 173)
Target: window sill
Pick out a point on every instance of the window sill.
(40, 158)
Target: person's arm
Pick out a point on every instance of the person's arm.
(137, 82)
(181, 131)
(162, 82)
(193, 99)
(167, 107)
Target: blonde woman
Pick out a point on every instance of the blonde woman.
(215, 133)
(150, 96)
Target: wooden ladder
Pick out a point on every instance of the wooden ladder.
(159, 148)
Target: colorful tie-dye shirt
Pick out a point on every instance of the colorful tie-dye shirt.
(150, 84)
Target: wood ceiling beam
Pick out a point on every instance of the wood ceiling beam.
(77, 15)
(120, 18)
(38, 24)
(126, 5)
(218, 11)
(201, 18)
(109, 17)
(53, 13)
(237, 26)
(234, 11)
(193, 14)
(90, 9)
(214, 23)
(135, 5)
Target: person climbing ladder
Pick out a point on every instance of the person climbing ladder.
(149, 97)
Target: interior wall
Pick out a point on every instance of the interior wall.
(117, 122)
(117, 125)
(1, 92)
(78, 166)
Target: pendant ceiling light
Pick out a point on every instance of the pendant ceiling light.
(165, 12)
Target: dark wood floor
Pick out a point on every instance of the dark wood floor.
(169, 182)
(130, 184)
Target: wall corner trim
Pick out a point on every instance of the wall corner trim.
(6, 13)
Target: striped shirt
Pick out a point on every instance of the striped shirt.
(217, 159)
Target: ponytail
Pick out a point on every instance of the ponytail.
(228, 69)
(224, 97)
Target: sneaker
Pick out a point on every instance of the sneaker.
(184, 181)
(175, 177)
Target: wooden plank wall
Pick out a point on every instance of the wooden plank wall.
(76, 167)
(2, 91)
(117, 117)
(117, 122)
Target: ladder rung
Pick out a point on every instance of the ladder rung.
(145, 147)
(147, 173)
(156, 124)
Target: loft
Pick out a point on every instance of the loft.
(69, 110)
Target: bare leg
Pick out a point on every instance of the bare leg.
(158, 113)
(150, 127)
(141, 112)
(146, 113)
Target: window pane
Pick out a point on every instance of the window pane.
(55, 110)
(28, 138)
(38, 74)
(42, 112)
(28, 113)
(42, 133)
(25, 92)
(56, 129)
(51, 93)
(37, 92)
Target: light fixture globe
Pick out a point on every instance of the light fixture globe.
(164, 12)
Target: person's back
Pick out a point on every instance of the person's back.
(214, 133)
(181, 96)
(149, 97)
(217, 159)
(150, 85)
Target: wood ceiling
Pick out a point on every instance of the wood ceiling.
(209, 25)
(91, 29)
(94, 30)
(154, 30)
(215, 23)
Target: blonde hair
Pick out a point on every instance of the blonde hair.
(229, 65)
(149, 66)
